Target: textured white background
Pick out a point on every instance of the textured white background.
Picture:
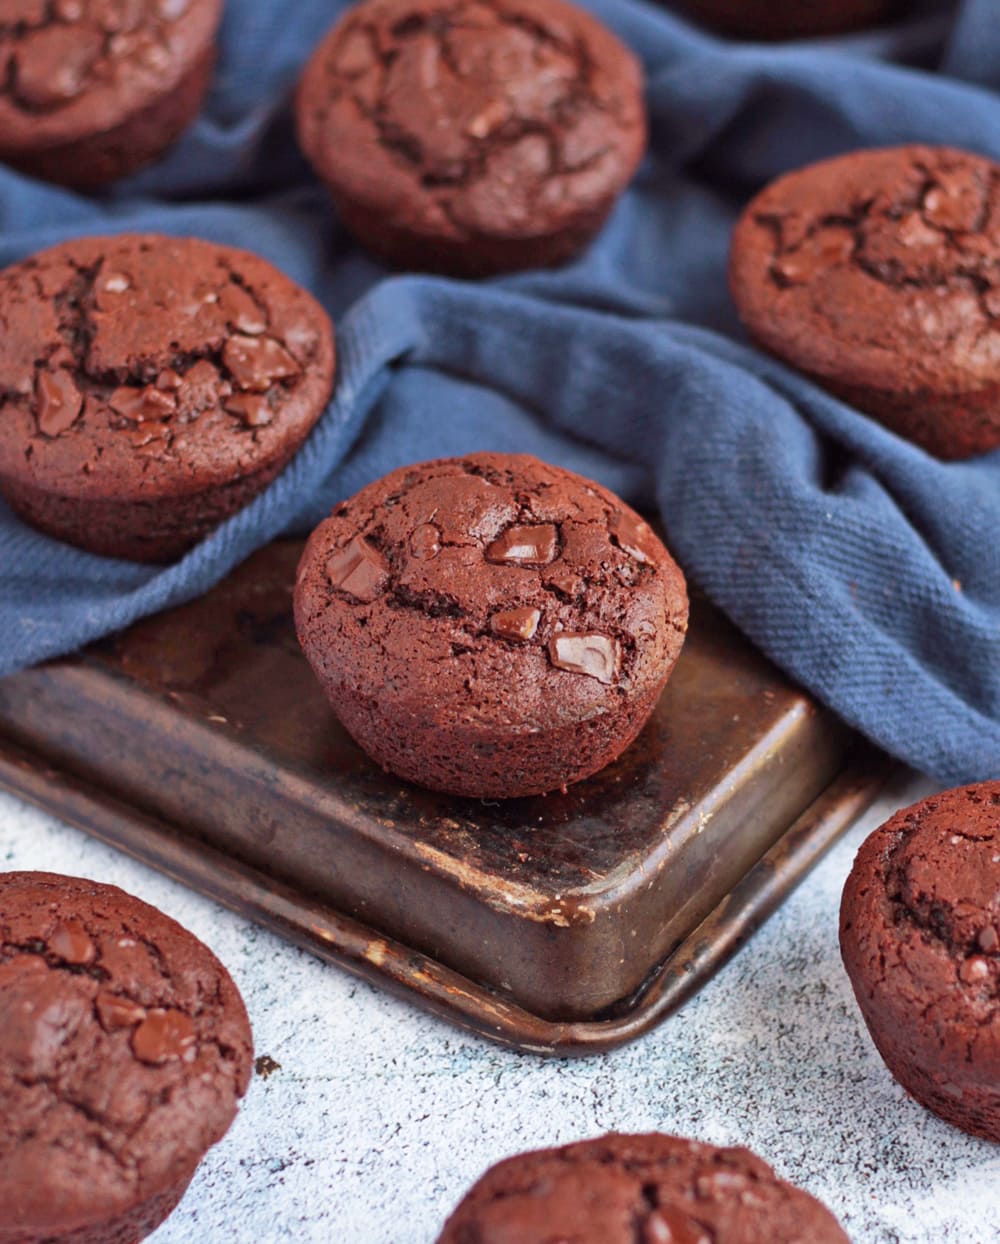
(380, 1117)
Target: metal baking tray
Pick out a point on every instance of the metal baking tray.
(199, 741)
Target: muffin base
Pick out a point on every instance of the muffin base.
(111, 154)
(156, 530)
(944, 1091)
(474, 256)
(127, 1228)
(519, 765)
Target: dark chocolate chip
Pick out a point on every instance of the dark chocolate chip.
(71, 943)
(516, 623)
(253, 408)
(116, 1012)
(597, 656)
(535, 545)
(256, 362)
(163, 1035)
(58, 402)
(425, 542)
(358, 569)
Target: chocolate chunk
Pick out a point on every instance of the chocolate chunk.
(974, 971)
(358, 569)
(253, 408)
(634, 536)
(597, 656)
(116, 1012)
(115, 283)
(169, 380)
(71, 943)
(535, 545)
(425, 542)
(58, 402)
(989, 940)
(243, 313)
(142, 405)
(516, 623)
(669, 1225)
(53, 64)
(163, 1035)
(201, 387)
(256, 362)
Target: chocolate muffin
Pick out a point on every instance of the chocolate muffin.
(150, 387)
(878, 275)
(490, 625)
(94, 89)
(920, 937)
(788, 19)
(472, 136)
(630, 1189)
(124, 1047)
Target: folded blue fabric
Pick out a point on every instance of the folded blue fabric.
(866, 569)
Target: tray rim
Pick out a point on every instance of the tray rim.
(366, 952)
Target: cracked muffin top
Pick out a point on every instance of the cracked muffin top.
(141, 366)
(75, 67)
(920, 931)
(878, 270)
(466, 118)
(491, 592)
(124, 1047)
(650, 1189)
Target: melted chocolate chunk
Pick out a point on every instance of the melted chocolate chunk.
(597, 656)
(634, 536)
(255, 363)
(669, 1225)
(536, 545)
(142, 405)
(519, 624)
(58, 402)
(116, 1012)
(359, 570)
(425, 542)
(163, 1035)
(253, 408)
(71, 944)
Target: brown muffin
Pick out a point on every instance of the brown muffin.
(878, 275)
(124, 1047)
(920, 938)
(150, 387)
(788, 19)
(490, 625)
(638, 1190)
(97, 88)
(472, 136)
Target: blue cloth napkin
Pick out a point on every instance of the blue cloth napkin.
(867, 570)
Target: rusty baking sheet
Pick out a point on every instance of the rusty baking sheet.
(199, 741)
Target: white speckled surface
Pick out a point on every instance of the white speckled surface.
(380, 1116)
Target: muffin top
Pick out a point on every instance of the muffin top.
(492, 592)
(920, 924)
(461, 118)
(878, 269)
(75, 67)
(651, 1189)
(123, 1050)
(141, 366)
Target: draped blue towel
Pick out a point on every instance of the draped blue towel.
(867, 570)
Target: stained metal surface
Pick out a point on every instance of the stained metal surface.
(200, 740)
